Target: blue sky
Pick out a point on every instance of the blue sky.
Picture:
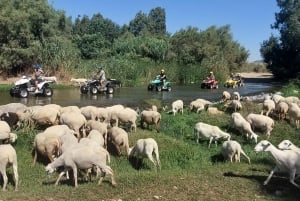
(250, 20)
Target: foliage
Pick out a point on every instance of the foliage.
(281, 53)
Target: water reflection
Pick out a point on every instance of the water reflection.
(133, 95)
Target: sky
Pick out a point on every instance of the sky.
(250, 20)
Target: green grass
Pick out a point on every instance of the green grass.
(190, 171)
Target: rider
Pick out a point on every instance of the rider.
(100, 75)
(162, 76)
(37, 76)
(211, 76)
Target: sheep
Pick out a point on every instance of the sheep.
(103, 114)
(226, 96)
(213, 110)
(25, 119)
(51, 78)
(45, 145)
(78, 81)
(236, 96)
(277, 98)
(286, 160)
(261, 122)
(209, 131)
(150, 117)
(89, 112)
(177, 106)
(11, 118)
(281, 109)
(239, 122)
(97, 137)
(288, 145)
(292, 99)
(294, 113)
(234, 105)
(268, 107)
(146, 148)
(119, 138)
(232, 150)
(75, 121)
(12, 107)
(71, 108)
(82, 157)
(8, 156)
(126, 115)
(46, 115)
(197, 106)
(4, 127)
(99, 126)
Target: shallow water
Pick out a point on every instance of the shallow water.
(134, 96)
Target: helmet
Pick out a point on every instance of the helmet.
(37, 66)
(100, 67)
(211, 72)
(162, 70)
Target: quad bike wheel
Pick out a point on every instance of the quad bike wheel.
(48, 92)
(158, 88)
(94, 90)
(110, 90)
(84, 89)
(23, 93)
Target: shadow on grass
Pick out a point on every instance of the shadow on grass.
(137, 163)
(279, 184)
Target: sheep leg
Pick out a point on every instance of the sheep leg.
(59, 177)
(35, 157)
(292, 177)
(152, 160)
(4, 176)
(16, 176)
(75, 175)
(210, 140)
(270, 175)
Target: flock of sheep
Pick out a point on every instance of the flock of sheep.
(77, 138)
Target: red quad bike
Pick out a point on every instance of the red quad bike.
(209, 84)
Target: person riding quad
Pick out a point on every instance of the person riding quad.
(211, 76)
(100, 75)
(37, 76)
(162, 76)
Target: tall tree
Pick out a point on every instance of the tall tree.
(157, 21)
(282, 53)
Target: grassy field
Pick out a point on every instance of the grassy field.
(190, 171)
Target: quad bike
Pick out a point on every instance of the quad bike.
(159, 85)
(25, 86)
(234, 82)
(209, 84)
(94, 87)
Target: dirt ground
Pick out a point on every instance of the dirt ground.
(248, 75)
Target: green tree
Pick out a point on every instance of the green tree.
(281, 53)
(157, 21)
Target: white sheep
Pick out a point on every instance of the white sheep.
(226, 96)
(239, 122)
(213, 110)
(71, 108)
(288, 145)
(150, 117)
(99, 126)
(103, 114)
(119, 138)
(281, 109)
(12, 107)
(286, 161)
(82, 157)
(97, 137)
(234, 105)
(8, 156)
(46, 115)
(232, 150)
(262, 122)
(78, 81)
(126, 115)
(294, 113)
(146, 148)
(209, 131)
(50, 78)
(75, 121)
(197, 106)
(236, 96)
(277, 98)
(268, 107)
(89, 112)
(177, 106)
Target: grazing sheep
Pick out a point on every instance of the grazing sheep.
(209, 131)
(292, 99)
(71, 108)
(226, 96)
(258, 121)
(99, 126)
(150, 117)
(146, 148)
(119, 138)
(233, 150)
(97, 137)
(197, 106)
(75, 121)
(103, 114)
(286, 160)
(89, 112)
(294, 113)
(12, 107)
(277, 98)
(4, 127)
(11, 118)
(234, 105)
(268, 107)
(177, 106)
(288, 145)
(213, 110)
(281, 109)
(8, 156)
(82, 157)
(239, 122)
(46, 116)
(126, 115)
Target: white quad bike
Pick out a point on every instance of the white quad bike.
(25, 86)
